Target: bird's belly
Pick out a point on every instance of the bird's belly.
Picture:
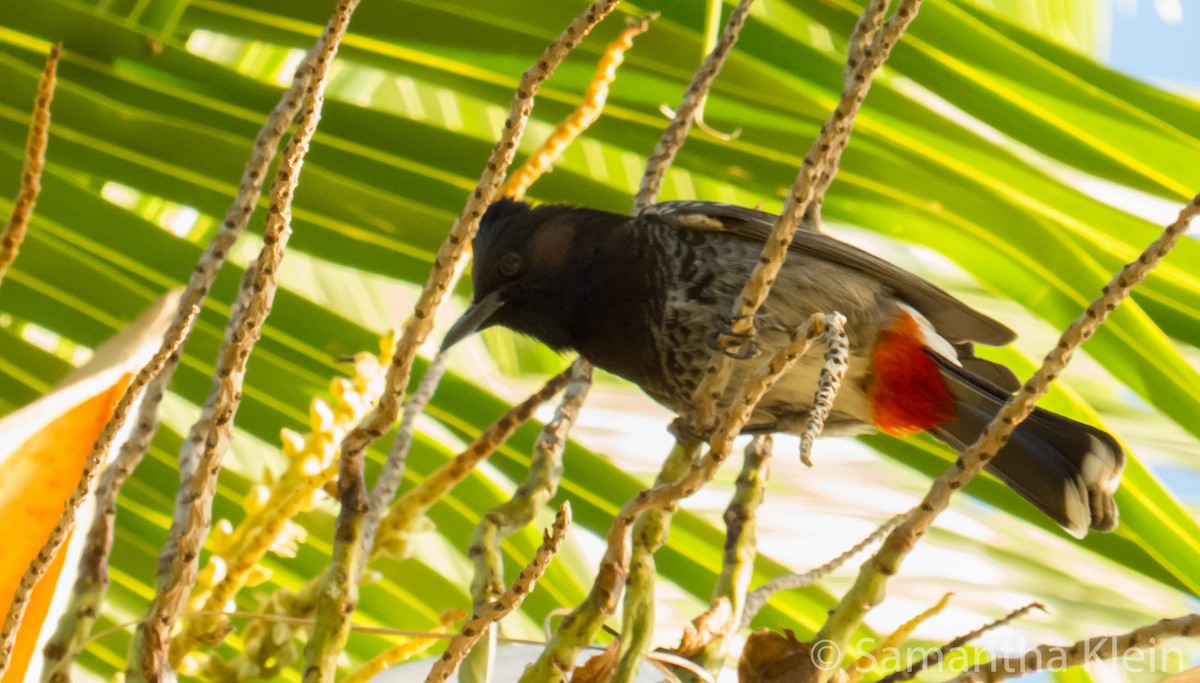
(788, 403)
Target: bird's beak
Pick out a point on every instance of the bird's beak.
(474, 319)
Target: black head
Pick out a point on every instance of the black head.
(520, 267)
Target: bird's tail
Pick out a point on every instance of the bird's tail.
(1067, 469)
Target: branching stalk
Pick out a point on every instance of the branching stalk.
(707, 639)
(338, 595)
(209, 438)
(676, 131)
(870, 587)
(936, 656)
(91, 468)
(479, 623)
(822, 159)
(1059, 657)
(75, 631)
(579, 627)
(649, 533)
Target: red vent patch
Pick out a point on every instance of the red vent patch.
(907, 393)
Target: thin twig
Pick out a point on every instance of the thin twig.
(91, 468)
(405, 651)
(758, 598)
(870, 586)
(539, 486)
(894, 640)
(35, 160)
(936, 656)
(822, 158)
(339, 594)
(581, 625)
(1059, 657)
(388, 481)
(541, 161)
(211, 434)
(477, 626)
(412, 504)
(676, 131)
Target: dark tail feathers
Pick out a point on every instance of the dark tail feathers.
(1067, 469)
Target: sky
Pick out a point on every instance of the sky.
(1156, 40)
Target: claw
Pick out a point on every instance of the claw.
(684, 430)
(717, 340)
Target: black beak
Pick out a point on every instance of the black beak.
(474, 319)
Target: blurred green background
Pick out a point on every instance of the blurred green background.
(995, 155)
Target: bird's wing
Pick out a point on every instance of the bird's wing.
(952, 318)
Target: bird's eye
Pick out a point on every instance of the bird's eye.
(511, 264)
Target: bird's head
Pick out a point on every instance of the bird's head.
(521, 254)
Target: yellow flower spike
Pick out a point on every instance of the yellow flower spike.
(257, 576)
(212, 572)
(219, 540)
(191, 665)
(385, 346)
(405, 651)
(320, 416)
(288, 540)
(256, 499)
(267, 526)
(311, 466)
(293, 443)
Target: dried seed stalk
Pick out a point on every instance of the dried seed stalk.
(339, 594)
(820, 163)
(74, 627)
(479, 623)
(73, 631)
(91, 467)
(935, 657)
(870, 586)
(676, 131)
(210, 435)
(579, 628)
(35, 160)
(1059, 657)
(388, 481)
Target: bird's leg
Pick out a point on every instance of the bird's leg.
(723, 339)
(686, 433)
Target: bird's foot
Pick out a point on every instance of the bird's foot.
(686, 431)
(735, 345)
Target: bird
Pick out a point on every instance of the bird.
(640, 296)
